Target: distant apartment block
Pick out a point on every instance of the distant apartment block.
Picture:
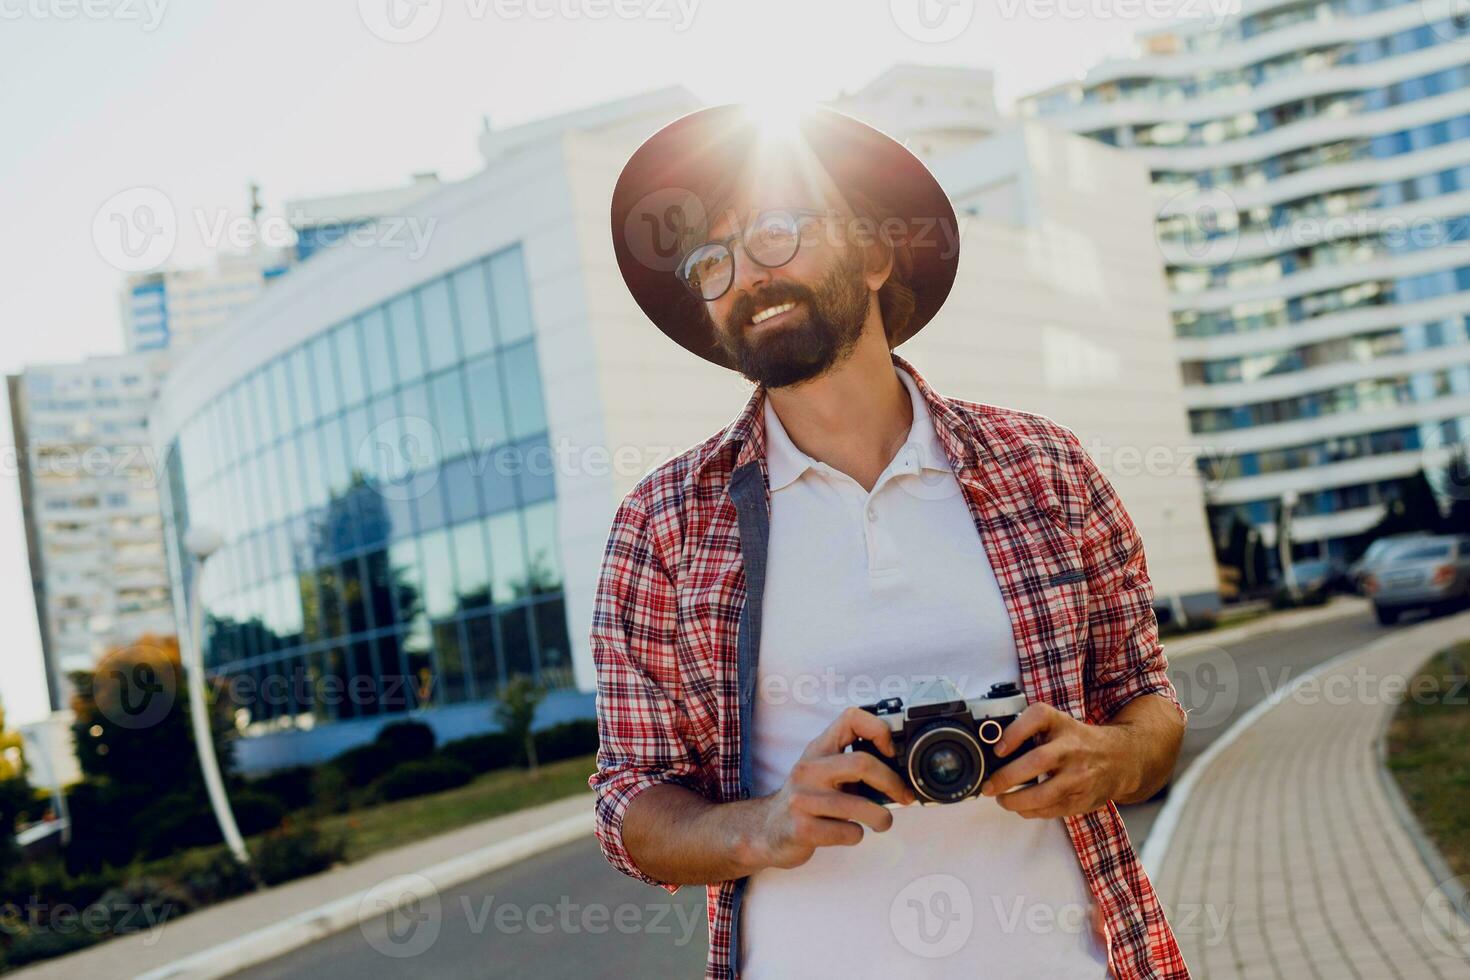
(89, 493)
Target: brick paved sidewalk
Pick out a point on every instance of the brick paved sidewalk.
(1289, 859)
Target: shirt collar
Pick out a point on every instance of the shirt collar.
(785, 462)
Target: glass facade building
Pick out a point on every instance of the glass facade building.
(385, 491)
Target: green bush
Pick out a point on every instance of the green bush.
(177, 821)
(421, 777)
(292, 787)
(144, 903)
(483, 753)
(48, 882)
(331, 790)
(407, 740)
(295, 852)
(210, 876)
(30, 945)
(256, 812)
(365, 763)
(104, 824)
(567, 740)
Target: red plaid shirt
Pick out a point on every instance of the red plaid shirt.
(672, 634)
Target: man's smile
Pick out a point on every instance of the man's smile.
(774, 314)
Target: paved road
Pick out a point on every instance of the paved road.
(664, 936)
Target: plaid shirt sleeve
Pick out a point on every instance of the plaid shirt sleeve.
(1125, 659)
(641, 725)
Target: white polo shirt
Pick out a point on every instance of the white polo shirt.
(866, 596)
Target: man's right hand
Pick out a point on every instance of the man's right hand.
(811, 810)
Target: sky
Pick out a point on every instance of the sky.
(199, 99)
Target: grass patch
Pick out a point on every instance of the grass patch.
(383, 826)
(389, 825)
(1429, 752)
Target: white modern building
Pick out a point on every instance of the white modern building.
(415, 461)
(1312, 176)
(322, 222)
(172, 308)
(89, 492)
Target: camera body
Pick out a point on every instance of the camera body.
(945, 745)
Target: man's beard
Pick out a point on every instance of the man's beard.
(792, 353)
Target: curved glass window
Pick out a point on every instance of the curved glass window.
(386, 495)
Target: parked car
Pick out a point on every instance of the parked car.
(1325, 575)
(1432, 572)
(1375, 553)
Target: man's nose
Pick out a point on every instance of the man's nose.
(750, 275)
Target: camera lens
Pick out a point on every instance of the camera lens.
(945, 764)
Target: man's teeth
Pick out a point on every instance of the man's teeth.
(771, 311)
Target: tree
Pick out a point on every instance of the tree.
(1239, 547)
(1412, 506)
(135, 745)
(132, 719)
(514, 710)
(1456, 482)
(16, 795)
(12, 751)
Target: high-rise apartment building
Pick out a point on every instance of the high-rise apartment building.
(1311, 166)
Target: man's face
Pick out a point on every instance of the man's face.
(820, 301)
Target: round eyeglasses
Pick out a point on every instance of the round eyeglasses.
(771, 241)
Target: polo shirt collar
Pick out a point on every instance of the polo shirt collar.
(785, 462)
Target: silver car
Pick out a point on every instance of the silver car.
(1430, 572)
(1359, 569)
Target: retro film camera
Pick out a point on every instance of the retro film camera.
(945, 745)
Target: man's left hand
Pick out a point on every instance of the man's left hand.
(1085, 765)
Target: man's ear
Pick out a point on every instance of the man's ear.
(877, 264)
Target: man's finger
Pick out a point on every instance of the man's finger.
(845, 806)
(827, 832)
(833, 771)
(1036, 800)
(1040, 761)
(851, 725)
(1036, 719)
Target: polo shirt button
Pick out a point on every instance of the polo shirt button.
(872, 514)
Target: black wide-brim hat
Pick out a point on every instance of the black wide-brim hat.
(663, 205)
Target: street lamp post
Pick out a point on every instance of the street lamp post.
(1283, 541)
(1176, 604)
(200, 543)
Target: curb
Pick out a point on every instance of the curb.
(315, 924)
(1439, 870)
